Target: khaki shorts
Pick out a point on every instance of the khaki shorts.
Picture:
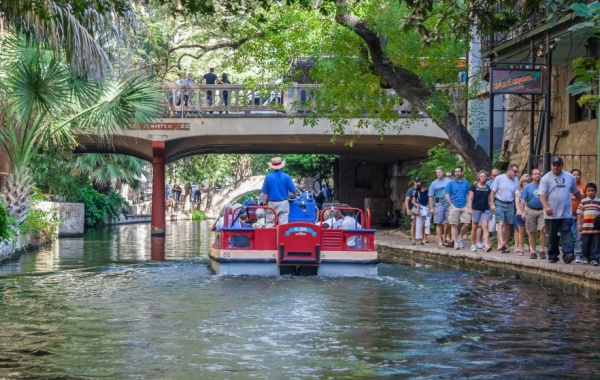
(457, 215)
(534, 220)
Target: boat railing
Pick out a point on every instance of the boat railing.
(360, 238)
(335, 239)
(358, 215)
(252, 214)
(237, 237)
(332, 239)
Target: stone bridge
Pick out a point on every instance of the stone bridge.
(264, 121)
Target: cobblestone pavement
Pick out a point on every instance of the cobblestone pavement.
(584, 274)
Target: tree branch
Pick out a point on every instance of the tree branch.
(410, 86)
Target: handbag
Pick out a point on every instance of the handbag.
(415, 210)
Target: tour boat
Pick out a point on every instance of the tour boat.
(303, 246)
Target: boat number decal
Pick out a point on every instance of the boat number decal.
(301, 230)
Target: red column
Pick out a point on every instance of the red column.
(158, 188)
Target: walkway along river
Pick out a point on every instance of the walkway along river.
(99, 306)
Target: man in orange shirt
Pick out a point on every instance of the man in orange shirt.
(574, 205)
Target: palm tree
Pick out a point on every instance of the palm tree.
(110, 171)
(43, 103)
(79, 29)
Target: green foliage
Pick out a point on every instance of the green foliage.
(51, 172)
(43, 102)
(588, 100)
(254, 197)
(198, 215)
(5, 230)
(586, 68)
(40, 226)
(318, 166)
(98, 207)
(60, 172)
(109, 171)
(208, 169)
(440, 156)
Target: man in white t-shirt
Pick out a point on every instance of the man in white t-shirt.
(555, 192)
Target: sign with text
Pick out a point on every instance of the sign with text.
(166, 126)
(512, 81)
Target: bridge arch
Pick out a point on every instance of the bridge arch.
(170, 139)
(267, 134)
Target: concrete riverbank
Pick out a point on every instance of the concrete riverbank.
(579, 278)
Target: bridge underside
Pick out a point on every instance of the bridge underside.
(371, 148)
(266, 135)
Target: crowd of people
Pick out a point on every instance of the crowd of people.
(175, 194)
(556, 208)
(188, 97)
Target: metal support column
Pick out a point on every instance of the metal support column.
(491, 133)
(548, 101)
(531, 118)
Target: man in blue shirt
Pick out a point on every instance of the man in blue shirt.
(456, 196)
(438, 207)
(275, 191)
(209, 78)
(534, 214)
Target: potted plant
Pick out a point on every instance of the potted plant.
(585, 63)
(588, 100)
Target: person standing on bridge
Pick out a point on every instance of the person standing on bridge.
(224, 94)
(275, 191)
(209, 78)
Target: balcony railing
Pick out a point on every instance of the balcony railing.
(585, 162)
(535, 20)
(200, 100)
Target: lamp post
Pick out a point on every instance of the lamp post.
(547, 104)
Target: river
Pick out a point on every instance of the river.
(100, 307)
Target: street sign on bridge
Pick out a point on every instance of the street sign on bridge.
(165, 126)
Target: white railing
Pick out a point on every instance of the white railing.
(196, 100)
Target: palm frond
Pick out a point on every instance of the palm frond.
(123, 103)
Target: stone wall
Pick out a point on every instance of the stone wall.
(575, 141)
(359, 180)
(71, 214)
(388, 184)
(128, 219)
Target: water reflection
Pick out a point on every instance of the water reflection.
(157, 247)
(104, 306)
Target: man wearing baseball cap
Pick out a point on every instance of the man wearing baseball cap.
(555, 192)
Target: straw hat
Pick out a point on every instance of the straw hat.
(276, 163)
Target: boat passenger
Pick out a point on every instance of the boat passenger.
(350, 223)
(328, 219)
(221, 221)
(240, 220)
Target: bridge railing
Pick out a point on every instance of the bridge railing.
(200, 99)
